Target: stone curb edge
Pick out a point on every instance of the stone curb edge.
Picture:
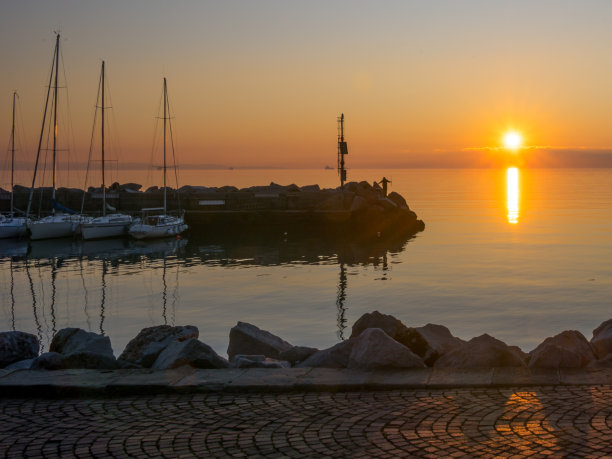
(107, 383)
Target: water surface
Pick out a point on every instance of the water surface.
(521, 256)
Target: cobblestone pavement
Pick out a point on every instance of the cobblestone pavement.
(540, 421)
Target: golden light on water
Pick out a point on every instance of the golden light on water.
(512, 194)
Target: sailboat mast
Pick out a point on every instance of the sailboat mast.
(165, 117)
(55, 122)
(103, 182)
(13, 153)
(42, 131)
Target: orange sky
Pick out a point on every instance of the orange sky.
(259, 84)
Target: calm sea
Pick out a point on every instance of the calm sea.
(519, 254)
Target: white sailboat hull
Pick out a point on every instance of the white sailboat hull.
(12, 227)
(55, 226)
(106, 227)
(164, 226)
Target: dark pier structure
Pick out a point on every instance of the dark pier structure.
(357, 208)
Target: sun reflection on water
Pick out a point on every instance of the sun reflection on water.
(512, 195)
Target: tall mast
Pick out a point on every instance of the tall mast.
(165, 117)
(103, 182)
(55, 123)
(42, 131)
(13, 153)
(342, 150)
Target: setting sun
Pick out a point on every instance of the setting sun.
(513, 140)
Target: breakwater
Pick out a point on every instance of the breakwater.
(357, 208)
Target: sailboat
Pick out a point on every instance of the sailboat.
(111, 225)
(160, 225)
(66, 222)
(11, 226)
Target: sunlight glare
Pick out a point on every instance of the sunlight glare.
(512, 140)
(512, 197)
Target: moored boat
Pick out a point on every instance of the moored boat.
(65, 223)
(160, 225)
(11, 226)
(112, 225)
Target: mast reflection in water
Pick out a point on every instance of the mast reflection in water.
(136, 284)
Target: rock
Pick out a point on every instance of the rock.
(144, 349)
(409, 337)
(481, 352)
(189, 352)
(310, 188)
(21, 365)
(297, 354)
(245, 338)
(389, 324)
(48, 361)
(334, 357)
(77, 341)
(375, 350)
(606, 362)
(334, 202)
(398, 199)
(257, 361)
(568, 349)
(130, 187)
(83, 349)
(439, 338)
(602, 339)
(519, 353)
(152, 189)
(228, 189)
(90, 360)
(16, 346)
(386, 204)
(359, 204)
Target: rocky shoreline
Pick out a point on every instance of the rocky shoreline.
(378, 342)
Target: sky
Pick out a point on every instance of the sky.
(260, 84)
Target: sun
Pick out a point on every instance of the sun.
(513, 140)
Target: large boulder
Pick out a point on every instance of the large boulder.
(568, 349)
(189, 352)
(336, 356)
(602, 339)
(90, 360)
(398, 199)
(409, 337)
(82, 349)
(375, 350)
(358, 204)
(48, 361)
(439, 338)
(77, 341)
(247, 339)
(481, 352)
(16, 346)
(144, 349)
(297, 354)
